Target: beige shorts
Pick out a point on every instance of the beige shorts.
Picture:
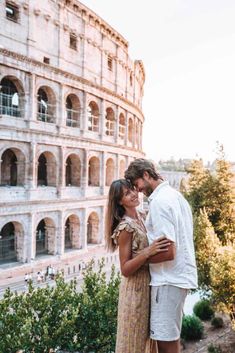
(167, 303)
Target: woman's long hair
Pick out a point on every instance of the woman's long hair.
(115, 211)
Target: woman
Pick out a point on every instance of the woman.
(125, 229)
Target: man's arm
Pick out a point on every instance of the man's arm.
(168, 255)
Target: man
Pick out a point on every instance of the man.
(174, 272)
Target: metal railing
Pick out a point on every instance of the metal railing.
(72, 118)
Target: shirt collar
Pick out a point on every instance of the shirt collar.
(158, 188)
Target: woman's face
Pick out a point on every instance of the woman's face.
(130, 198)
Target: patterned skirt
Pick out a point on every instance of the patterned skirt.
(133, 313)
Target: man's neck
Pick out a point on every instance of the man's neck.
(155, 183)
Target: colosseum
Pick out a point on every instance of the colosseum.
(70, 122)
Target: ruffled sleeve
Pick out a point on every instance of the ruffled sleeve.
(130, 227)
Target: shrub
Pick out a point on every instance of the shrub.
(203, 310)
(59, 317)
(214, 349)
(192, 328)
(217, 322)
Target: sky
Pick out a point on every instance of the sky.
(188, 51)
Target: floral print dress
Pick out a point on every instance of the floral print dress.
(133, 306)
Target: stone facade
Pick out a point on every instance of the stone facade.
(70, 122)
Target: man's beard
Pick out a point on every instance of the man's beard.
(148, 190)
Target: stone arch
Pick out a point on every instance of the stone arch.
(45, 237)
(11, 242)
(46, 169)
(46, 104)
(93, 228)
(93, 116)
(73, 170)
(11, 96)
(94, 172)
(130, 130)
(73, 110)
(110, 172)
(122, 126)
(13, 167)
(122, 168)
(72, 238)
(110, 122)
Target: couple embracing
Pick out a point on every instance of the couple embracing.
(157, 260)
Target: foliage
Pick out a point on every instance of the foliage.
(96, 323)
(192, 328)
(206, 246)
(61, 318)
(214, 349)
(217, 322)
(223, 280)
(203, 310)
(213, 191)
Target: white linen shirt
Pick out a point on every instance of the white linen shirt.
(170, 215)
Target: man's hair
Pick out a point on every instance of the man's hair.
(137, 168)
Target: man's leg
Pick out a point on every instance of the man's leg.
(166, 317)
(168, 347)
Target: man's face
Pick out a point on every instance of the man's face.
(143, 185)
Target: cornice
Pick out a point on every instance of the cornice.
(66, 74)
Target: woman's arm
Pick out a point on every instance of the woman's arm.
(130, 265)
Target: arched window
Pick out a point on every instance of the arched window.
(10, 98)
(41, 239)
(122, 169)
(46, 169)
(73, 171)
(130, 131)
(71, 233)
(110, 122)
(12, 167)
(93, 229)
(93, 117)
(46, 105)
(122, 126)
(72, 111)
(137, 134)
(8, 243)
(45, 237)
(110, 172)
(9, 168)
(94, 172)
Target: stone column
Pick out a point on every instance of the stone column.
(84, 114)
(126, 130)
(32, 168)
(60, 234)
(83, 228)
(30, 239)
(84, 169)
(103, 171)
(61, 171)
(61, 109)
(116, 134)
(102, 119)
(31, 114)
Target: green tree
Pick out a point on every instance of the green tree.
(206, 246)
(60, 317)
(223, 280)
(97, 320)
(214, 192)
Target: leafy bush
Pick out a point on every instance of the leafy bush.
(214, 349)
(203, 310)
(52, 318)
(192, 328)
(217, 322)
